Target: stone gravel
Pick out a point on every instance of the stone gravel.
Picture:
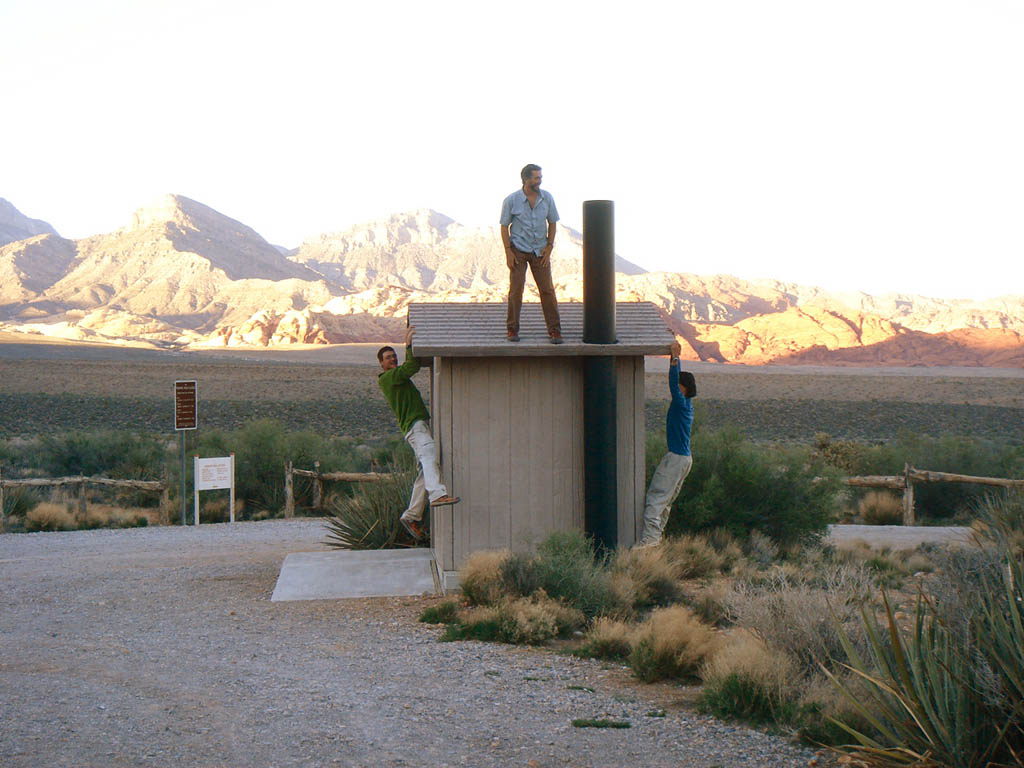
(160, 647)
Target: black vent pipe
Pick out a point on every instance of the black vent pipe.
(600, 433)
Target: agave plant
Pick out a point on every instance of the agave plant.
(369, 518)
(938, 697)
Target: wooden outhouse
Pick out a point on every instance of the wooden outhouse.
(508, 420)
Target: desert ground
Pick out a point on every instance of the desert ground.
(53, 387)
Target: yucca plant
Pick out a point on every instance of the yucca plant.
(369, 518)
(925, 701)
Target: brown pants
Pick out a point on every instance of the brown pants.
(545, 287)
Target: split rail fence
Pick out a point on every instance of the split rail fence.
(81, 481)
(318, 478)
(905, 483)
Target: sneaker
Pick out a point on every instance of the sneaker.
(556, 338)
(443, 500)
(513, 337)
(646, 543)
(413, 527)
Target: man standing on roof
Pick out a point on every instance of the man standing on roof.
(395, 382)
(528, 219)
(675, 466)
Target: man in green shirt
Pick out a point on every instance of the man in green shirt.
(395, 382)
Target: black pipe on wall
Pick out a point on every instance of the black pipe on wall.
(600, 428)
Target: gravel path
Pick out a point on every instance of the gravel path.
(160, 647)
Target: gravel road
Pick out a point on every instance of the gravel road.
(160, 647)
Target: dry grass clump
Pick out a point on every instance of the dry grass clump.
(796, 619)
(746, 679)
(608, 639)
(530, 620)
(672, 643)
(47, 516)
(480, 578)
(654, 577)
(710, 603)
(880, 508)
(693, 557)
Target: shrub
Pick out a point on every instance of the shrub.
(740, 488)
(109, 453)
(672, 643)
(18, 501)
(801, 621)
(880, 508)
(46, 516)
(519, 575)
(569, 572)
(654, 577)
(524, 620)
(746, 680)
(608, 639)
(443, 613)
(369, 518)
(481, 577)
(693, 557)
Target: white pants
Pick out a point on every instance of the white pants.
(665, 485)
(428, 481)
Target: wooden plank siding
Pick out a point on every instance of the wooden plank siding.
(630, 447)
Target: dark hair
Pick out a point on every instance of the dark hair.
(527, 172)
(381, 351)
(687, 381)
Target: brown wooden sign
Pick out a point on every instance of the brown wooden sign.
(184, 405)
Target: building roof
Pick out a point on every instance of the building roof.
(478, 330)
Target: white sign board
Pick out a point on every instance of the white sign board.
(211, 475)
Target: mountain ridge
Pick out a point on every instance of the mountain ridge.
(181, 274)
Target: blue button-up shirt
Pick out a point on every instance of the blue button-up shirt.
(529, 230)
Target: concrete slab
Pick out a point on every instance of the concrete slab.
(367, 573)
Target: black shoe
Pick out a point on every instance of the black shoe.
(513, 337)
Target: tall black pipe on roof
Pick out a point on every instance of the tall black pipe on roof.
(600, 434)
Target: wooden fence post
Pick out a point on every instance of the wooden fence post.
(908, 496)
(3, 515)
(289, 496)
(165, 500)
(81, 499)
(318, 487)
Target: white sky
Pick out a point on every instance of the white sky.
(870, 145)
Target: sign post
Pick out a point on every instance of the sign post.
(184, 419)
(211, 474)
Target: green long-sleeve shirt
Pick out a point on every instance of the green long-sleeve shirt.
(403, 397)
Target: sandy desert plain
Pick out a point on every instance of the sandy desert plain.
(48, 387)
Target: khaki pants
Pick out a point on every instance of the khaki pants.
(665, 486)
(428, 482)
(545, 287)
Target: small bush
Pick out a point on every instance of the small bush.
(880, 508)
(519, 575)
(442, 613)
(693, 557)
(608, 639)
(480, 577)
(787, 494)
(569, 572)
(746, 680)
(672, 643)
(654, 577)
(49, 517)
(489, 623)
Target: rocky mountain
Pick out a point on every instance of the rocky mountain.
(182, 274)
(14, 225)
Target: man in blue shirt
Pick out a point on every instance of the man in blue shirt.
(528, 219)
(675, 466)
